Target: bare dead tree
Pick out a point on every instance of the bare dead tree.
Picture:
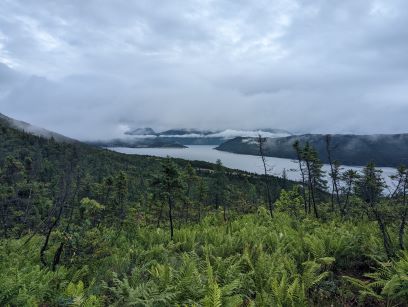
(261, 141)
(60, 204)
(71, 207)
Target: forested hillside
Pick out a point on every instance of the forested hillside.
(38, 131)
(83, 226)
(74, 170)
(383, 150)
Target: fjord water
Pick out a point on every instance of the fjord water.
(247, 163)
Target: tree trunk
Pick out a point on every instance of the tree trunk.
(261, 153)
(57, 256)
(160, 216)
(310, 188)
(199, 211)
(314, 203)
(170, 201)
(268, 192)
(404, 216)
(303, 180)
(384, 233)
(47, 237)
(347, 196)
(4, 218)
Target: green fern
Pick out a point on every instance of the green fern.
(213, 295)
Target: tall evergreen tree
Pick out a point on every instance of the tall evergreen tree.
(191, 179)
(350, 178)
(202, 194)
(315, 176)
(219, 184)
(121, 192)
(172, 186)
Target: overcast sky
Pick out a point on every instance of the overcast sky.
(90, 69)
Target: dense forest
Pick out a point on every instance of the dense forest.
(84, 226)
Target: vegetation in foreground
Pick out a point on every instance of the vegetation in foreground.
(86, 227)
(253, 260)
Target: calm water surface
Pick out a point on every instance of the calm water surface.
(247, 163)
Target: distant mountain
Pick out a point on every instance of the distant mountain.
(276, 131)
(141, 131)
(169, 133)
(384, 150)
(184, 132)
(202, 137)
(23, 126)
(231, 133)
(138, 143)
(193, 140)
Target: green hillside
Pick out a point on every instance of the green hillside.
(87, 171)
(83, 226)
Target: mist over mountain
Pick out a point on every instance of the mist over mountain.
(382, 149)
(38, 131)
(226, 133)
(141, 131)
(147, 137)
(148, 142)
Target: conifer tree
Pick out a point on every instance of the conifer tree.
(299, 155)
(314, 175)
(334, 173)
(400, 194)
(219, 184)
(191, 179)
(202, 194)
(172, 187)
(370, 189)
(121, 192)
(350, 178)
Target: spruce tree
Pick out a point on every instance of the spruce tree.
(172, 187)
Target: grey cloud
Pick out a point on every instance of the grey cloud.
(88, 68)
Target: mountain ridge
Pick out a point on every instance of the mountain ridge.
(193, 132)
(147, 137)
(37, 131)
(387, 150)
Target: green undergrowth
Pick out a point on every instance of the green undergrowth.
(253, 260)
